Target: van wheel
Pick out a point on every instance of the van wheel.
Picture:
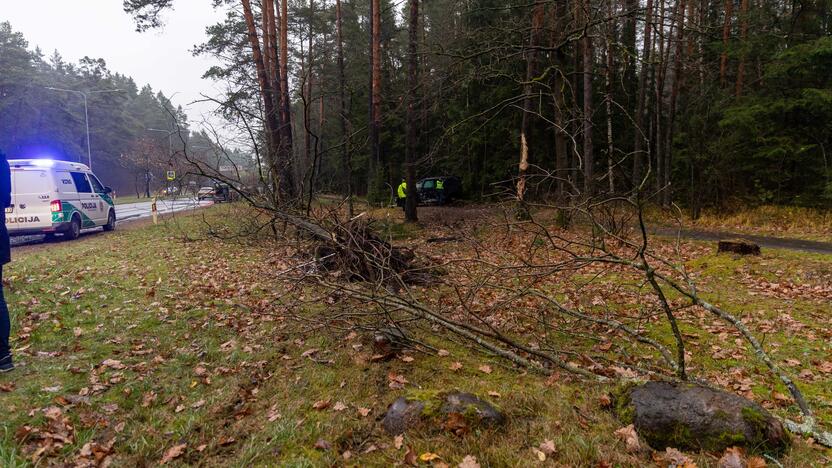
(74, 229)
(111, 221)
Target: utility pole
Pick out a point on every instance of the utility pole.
(84, 95)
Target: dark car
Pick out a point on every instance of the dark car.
(438, 190)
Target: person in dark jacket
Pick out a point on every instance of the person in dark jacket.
(5, 257)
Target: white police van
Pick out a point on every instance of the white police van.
(57, 197)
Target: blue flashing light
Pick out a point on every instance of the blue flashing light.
(43, 162)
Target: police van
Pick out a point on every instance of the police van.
(57, 197)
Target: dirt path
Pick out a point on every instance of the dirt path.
(762, 241)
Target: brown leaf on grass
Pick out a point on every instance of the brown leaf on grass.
(397, 381)
(321, 404)
(485, 368)
(364, 412)
(198, 404)
(539, 454)
(407, 358)
(457, 424)
(173, 453)
(443, 353)
(148, 398)
(455, 366)
(630, 437)
(675, 457)
(604, 401)
(398, 441)
(7, 387)
(469, 461)
(410, 457)
(338, 406)
(428, 457)
(733, 457)
(548, 447)
(113, 364)
(322, 444)
(756, 462)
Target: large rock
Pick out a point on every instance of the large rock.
(455, 411)
(693, 417)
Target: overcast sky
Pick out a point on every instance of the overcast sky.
(101, 29)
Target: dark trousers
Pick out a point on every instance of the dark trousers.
(5, 324)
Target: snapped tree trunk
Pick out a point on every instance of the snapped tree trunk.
(531, 66)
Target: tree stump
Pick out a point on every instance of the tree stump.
(738, 246)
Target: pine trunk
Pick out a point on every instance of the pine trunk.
(410, 211)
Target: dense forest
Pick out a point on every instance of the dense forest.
(704, 103)
(42, 115)
(714, 102)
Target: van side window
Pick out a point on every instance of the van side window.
(96, 184)
(81, 182)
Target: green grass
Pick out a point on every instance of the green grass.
(202, 324)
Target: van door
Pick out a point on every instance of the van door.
(104, 200)
(87, 199)
(31, 190)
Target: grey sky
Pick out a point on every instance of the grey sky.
(101, 29)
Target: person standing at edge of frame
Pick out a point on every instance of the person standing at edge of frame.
(6, 364)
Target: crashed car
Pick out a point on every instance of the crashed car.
(439, 190)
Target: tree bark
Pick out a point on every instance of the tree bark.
(646, 59)
(531, 66)
(588, 62)
(609, 97)
(726, 35)
(743, 37)
(410, 210)
(346, 164)
(270, 118)
(286, 145)
(559, 13)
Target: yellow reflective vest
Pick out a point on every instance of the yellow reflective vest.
(403, 190)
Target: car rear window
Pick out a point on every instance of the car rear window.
(27, 182)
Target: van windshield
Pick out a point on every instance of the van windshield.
(26, 182)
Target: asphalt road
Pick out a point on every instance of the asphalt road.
(128, 212)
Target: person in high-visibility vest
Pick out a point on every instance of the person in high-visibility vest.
(440, 191)
(402, 193)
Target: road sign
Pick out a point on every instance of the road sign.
(171, 175)
(226, 168)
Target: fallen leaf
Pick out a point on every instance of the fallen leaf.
(338, 406)
(485, 368)
(539, 454)
(398, 441)
(605, 401)
(734, 457)
(364, 412)
(677, 458)
(428, 457)
(173, 453)
(407, 358)
(630, 437)
(455, 366)
(113, 364)
(443, 352)
(321, 404)
(469, 461)
(7, 387)
(756, 462)
(494, 394)
(322, 444)
(410, 457)
(457, 424)
(548, 447)
(198, 404)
